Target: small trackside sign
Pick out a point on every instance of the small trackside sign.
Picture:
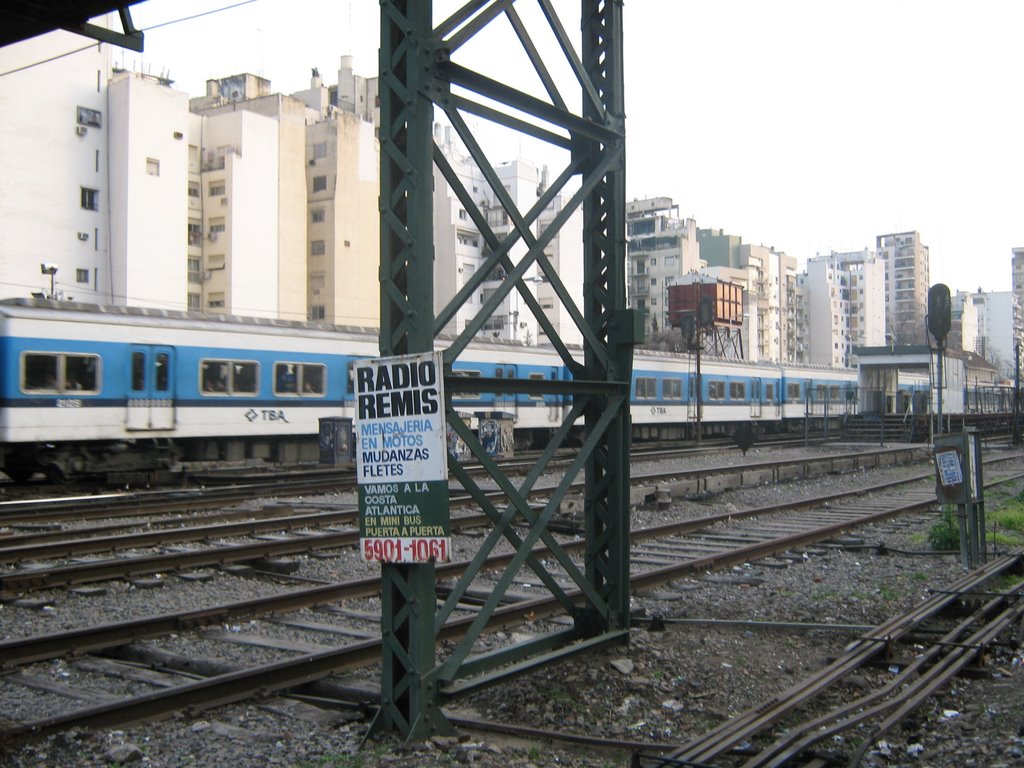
(402, 459)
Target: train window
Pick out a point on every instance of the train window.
(244, 378)
(833, 393)
(214, 377)
(313, 379)
(769, 392)
(471, 375)
(224, 377)
(138, 371)
(299, 379)
(286, 379)
(737, 390)
(793, 392)
(537, 377)
(646, 388)
(59, 373)
(716, 390)
(820, 391)
(81, 373)
(672, 389)
(39, 373)
(162, 364)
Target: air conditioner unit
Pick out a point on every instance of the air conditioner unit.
(212, 237)
(81, 130)
(207, 275)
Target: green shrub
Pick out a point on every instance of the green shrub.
(945, 535)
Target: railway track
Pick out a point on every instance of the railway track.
(284, 531)
(337, 612)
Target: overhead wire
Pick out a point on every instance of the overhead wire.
(147, 29)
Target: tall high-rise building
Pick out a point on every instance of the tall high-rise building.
(770, 281)
(460, 249)
(252, 192)
(843, 296)
(906, 285)
(1017, 274)
(95, 172)
(661, 248)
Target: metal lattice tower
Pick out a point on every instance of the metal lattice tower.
(418, 70)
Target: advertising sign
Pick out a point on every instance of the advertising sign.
(402, 459)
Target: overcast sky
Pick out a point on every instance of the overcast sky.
(809, 126)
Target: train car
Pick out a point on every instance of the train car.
(768, 395)
(89, 390)
(92, 390)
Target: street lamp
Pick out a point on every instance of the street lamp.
(51, 270)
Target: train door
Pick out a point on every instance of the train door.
(150, 387)
(755, 396)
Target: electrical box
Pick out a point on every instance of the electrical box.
(957, 467)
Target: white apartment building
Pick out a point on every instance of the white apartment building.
(1017, 274)
(148, 157)
(770, 303)
(661, 248)
(241, 201)
(251, 146)
(460, 250)
(843, 297)
(964, 315)
(55, 200)
(906, 279)
(999, 326)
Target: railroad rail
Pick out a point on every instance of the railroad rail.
(51, 545)
(235, 685)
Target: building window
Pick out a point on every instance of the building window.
(216, 188)
(316, 312)
(317, 248)
(216, 301)
(193, 189)
(216, 225)
(319, 183)
(318, 215)
(90, 117)
(195, 233)
(195, 270)
(320, 150)
(81, 275)
(152, 166)
(90, 199)
(195, 302)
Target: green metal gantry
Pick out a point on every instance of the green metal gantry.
(417, 72)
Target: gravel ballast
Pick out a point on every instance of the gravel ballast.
(663, 686)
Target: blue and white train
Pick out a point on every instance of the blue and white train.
(89, 390)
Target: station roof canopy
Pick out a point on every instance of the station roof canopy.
(22, 19)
